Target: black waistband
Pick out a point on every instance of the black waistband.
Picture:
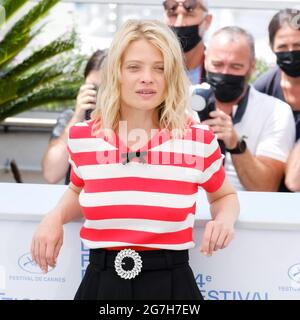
(152, 260)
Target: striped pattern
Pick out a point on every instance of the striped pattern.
(149, 205)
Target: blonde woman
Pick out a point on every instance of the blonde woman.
(136, 169)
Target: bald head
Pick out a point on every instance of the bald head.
(234, 35)
(231, 51)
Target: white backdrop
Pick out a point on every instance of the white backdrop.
(262, 263)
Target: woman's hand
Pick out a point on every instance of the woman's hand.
(47, 241)
(224, 208)
(217, 235)
(86, 100)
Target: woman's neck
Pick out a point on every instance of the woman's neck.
(136, 127)
(290, 88)
(145, 120)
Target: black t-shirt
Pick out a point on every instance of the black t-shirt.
(269, 83)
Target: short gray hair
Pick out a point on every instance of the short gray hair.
(234, 32)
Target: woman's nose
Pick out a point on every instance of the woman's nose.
(146, 76)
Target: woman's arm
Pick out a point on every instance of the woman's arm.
(55, 161)
(224, 207)
(292, 175)
(48, 238)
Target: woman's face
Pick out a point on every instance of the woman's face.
(287, 39)
(142, 81)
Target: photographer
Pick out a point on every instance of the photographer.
(55, 164)
(190, 20)
(283, 81)
(256, 129)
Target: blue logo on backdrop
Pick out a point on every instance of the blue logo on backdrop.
(26, 263)
(209, 294)
(84, 259)
(294, 272)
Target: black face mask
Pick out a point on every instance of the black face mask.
(289, 62)
(226, 87)
(188, 36)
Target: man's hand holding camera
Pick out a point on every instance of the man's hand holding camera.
(222, 126)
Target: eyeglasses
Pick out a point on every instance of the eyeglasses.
(189, 5)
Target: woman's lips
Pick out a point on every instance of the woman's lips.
(146, 93)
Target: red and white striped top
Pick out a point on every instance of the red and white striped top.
(151, 204)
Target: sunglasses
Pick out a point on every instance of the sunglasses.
(189, 5)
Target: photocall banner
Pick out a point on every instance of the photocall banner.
(261, 263)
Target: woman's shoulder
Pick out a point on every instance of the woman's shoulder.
(81, 130)
(266, 80)
(200, 132)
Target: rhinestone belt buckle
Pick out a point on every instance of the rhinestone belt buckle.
(128, 253)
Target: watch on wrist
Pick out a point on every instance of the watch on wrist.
(240, 147)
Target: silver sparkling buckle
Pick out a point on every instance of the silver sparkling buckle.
(138, 263)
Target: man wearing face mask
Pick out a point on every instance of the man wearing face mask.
(256, 129)
(190, 19)
(283, 81)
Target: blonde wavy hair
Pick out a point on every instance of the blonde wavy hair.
(174, 110)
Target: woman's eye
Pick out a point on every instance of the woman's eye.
(132, 67)
(160, 68)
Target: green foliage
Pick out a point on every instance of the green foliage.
(261, 67)
(11, 6)
(54, 48)
(59, 91)
(49, 76)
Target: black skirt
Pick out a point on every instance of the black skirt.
(165, 275)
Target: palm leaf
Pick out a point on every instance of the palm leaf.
(15, 88)
(11, 6)
(10, 89)
(65, 43)
(49, 76)
(60, 92)
(19, 35)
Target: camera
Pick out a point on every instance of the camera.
(202, 101)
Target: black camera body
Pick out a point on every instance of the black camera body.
(203, 102)
(88, 112)
(87, 115)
